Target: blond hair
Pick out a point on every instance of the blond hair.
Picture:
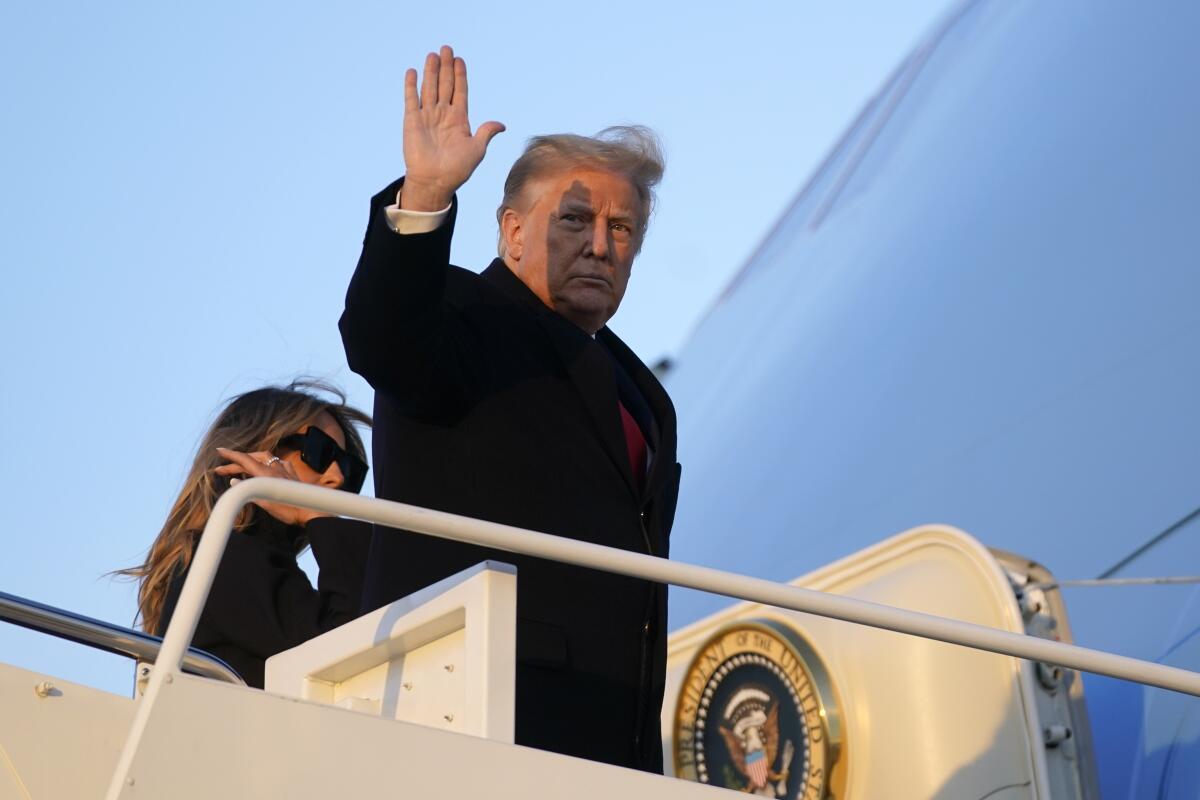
(251, 422)
(633, 151)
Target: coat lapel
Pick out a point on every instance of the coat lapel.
(663, 411)
(585, 363)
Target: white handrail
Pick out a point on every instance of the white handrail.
(608, 559)
(636, 565)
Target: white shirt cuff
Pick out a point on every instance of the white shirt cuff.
(407, 222)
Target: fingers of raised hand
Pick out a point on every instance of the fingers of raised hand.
(487, 131)
(259, 464)
(459, 97)
(275, 466)
(285, 470)
(444, 82)
(240, 462)
(411, 104)
(445, 90)
(429, 82)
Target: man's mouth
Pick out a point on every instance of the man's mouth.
(594, 280)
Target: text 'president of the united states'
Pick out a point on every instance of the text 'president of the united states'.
(503, 396)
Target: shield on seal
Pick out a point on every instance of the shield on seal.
(756, 768)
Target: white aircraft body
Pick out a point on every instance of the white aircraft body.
(981, 310)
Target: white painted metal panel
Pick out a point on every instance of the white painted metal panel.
(60, 746)
(444, 656)
(210, 740)
(922, 719)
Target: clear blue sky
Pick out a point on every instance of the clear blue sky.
(184, 192)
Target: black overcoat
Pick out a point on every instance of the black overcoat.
(490, 405)
(261, 602)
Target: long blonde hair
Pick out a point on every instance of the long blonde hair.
(254, 421)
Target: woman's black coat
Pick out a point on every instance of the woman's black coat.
(262, 603)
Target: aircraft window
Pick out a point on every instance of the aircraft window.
(924, 76)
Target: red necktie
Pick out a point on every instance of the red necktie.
(635, 442)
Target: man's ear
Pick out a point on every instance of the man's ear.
(512, 230)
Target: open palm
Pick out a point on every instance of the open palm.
(440, 152)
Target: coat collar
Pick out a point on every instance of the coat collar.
(585, 363)
(591, 371)
(662, 438)
(502, 278)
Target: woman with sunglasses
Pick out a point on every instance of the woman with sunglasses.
(261, 602)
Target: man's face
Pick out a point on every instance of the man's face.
(573, 240)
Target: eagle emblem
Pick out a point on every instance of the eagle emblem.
(750, 729)
(757, 713)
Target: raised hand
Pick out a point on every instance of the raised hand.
(267, 465)
(440, 152)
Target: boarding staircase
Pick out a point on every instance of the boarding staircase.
(955, 678)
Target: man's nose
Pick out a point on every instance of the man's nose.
(600, 238)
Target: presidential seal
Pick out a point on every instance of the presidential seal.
(757, 713)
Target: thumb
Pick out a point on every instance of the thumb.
(485, 132)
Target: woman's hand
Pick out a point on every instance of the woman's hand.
(267, 465)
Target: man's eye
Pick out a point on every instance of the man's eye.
(570, 218)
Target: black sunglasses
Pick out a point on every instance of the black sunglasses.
(318, 449)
